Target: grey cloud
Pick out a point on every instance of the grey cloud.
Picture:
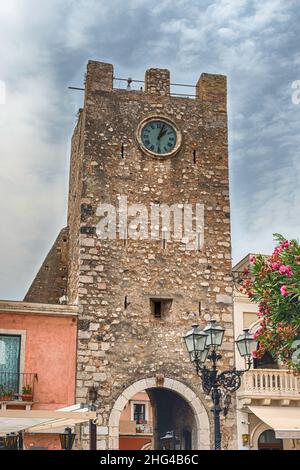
(46, 47)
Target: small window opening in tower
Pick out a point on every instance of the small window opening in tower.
(160, 308)
(157, 309)
(194, 155)
(126, 303)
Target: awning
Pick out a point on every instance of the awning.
(284, 420)
(43, 420)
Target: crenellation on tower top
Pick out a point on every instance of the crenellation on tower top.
(99, 77)
(157, 81)
(212, 88)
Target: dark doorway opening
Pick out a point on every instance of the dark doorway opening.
(172, 414)
(187, 440)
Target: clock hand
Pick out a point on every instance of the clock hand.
(160, 133)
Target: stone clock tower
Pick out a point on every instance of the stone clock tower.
(140, 285)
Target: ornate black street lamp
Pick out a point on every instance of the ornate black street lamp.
(6, 441)
(204, 344)
(67, 439)
(11, 441)
(246, 345)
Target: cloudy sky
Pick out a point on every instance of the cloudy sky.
(45, 45)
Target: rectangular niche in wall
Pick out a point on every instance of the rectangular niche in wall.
(160, 307)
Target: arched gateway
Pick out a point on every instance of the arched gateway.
(201, 431)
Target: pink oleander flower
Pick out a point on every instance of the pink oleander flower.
(285, 245)
(260, 314)
(276, 252)
(283, 291)
(286, 270)
(252, 259)
(275, 266)
(258, 332)
(254, 354)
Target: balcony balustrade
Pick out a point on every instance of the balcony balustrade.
(132, 427)
(268, 385)
(144, 428)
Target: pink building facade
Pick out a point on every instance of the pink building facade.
(37, 360)
(136, 424)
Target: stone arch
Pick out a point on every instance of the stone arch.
(200, 413)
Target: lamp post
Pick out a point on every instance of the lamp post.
(20, 440)
(11, 441)
(169, 441)
(93, 395)
(204, 344)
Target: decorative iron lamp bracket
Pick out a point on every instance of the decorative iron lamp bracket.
(230, 380)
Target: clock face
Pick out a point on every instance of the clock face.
(159, 137)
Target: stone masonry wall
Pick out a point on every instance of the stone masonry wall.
(119, 340)
(74, 205)
(50, 282)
